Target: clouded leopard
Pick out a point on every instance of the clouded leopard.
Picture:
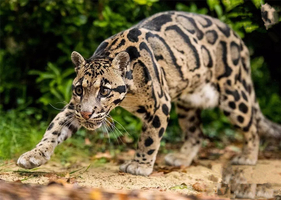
(193, 60)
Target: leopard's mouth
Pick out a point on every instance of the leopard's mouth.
(92, 125)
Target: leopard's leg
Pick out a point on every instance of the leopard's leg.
(155, 121)
(62, 127)
(190, 123)
(238, 104)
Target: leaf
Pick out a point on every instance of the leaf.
(44, 76)
(230, 4)
(212, 4)
(258, 3)
(53, 68)
(218, 10)
(56, 94)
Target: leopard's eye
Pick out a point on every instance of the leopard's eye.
(104, 91)
(79, 90)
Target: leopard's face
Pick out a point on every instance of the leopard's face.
(97, 89)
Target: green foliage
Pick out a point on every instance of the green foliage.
(111, 22)
(191, 8)
(55, 85)
(269, 101)
(18, 132)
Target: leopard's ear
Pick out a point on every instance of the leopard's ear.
(77, 60)
(121, 63)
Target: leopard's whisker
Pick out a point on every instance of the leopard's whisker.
(120, 125)
(55, 107)
(114, 129)
(106, 130)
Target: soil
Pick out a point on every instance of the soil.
(203, 176)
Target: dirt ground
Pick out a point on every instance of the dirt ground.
(202, 177)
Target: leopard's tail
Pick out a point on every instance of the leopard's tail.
(266, 127)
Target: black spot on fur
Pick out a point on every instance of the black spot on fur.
(183, 108)
(117, 101)
(71, 106)
(161, 132)
(181, 116)
(114, 42)
(247, 128)
(64, 123)
(133, 52)
(240, 119)
(156, 23)
(133, 35)
(192, 119)
(232, 105)
(192, 129)
(211, 36)
(228, 82)
(249, 89)
(144, 46)
(51, 126)
(244, 96)
(138, 155)
(156, 122)
(145, 71)
(68, 114)
(141, 109)
(210, 63)
(143, 128)
(158, 57)
(227, 69)
(245, 84)
(234, 93)
(148, 141)
(234, 45)
(209, 22)
(243, 108)
(120, 89)
(188, 42)
(225, 30)
(121, 43)
(72, 128)
(55, 133)
(226, 113)
(199, 33)
(165, 109)
(150, 152)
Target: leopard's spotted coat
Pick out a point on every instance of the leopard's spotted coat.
(193, 60)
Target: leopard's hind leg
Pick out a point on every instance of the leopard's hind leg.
(190, 123)
(238, 104)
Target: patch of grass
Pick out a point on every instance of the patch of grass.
(19, 132)
(22, 129)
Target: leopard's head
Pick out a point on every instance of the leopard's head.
(98, 87)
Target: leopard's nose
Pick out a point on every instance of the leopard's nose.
(86, 115)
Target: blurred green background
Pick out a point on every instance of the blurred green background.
(37, 38)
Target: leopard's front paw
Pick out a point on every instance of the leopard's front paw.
(178, 159)
(32, 159)
(245, 159)
(136, 168)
